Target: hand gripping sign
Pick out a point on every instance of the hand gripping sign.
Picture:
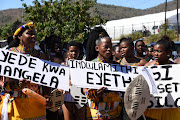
(137, 97)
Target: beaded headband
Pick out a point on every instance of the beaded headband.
(30, 25)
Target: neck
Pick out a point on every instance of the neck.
(104, 59)
(140, 55)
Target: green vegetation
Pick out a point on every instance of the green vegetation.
(134, 36)
(67, 19)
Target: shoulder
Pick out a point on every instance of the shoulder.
(143, 62)
(150, 63)
(177, 61)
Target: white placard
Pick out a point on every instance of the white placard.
(168, 86)
(19, 66)
(115, 77)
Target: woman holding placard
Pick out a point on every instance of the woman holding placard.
(15, 104)
(103, 104)
(162, 53)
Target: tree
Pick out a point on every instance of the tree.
(71, 20)
(6, 31)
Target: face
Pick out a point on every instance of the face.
(104, 48)
(150, 52)
(140, 47)
(73, 52)
(57, 48)
(160, 54)
(116, 52)
(125, 49)
(28, 38)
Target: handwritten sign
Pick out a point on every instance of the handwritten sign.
(168, 86)
(19, 66)
(115, 77)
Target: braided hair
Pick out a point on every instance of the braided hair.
(166, 42)
(96, 34)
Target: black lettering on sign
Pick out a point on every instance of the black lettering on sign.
(158, 102)
(176, 102)
(128, 69)
(32, 62)
(168, 88)
(126, 81)
(106, 80)
(42, 80)
(115, 67)
(7, 70)
(158, 74)
(22, 60)
(26, 76)
(5, 56)
(53, 69)
(36, 76)
(55, 80)
(45, 67)
(161, 90)
(122, 68)
(175, 86)
(11, 57)
(19, 72)
(89, 78)
(135, 70)
(166, 103)
(167, 72)
(115, 78)
(72, 64)
(62, 71)
(100, 77)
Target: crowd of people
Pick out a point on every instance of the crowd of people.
(16, 105)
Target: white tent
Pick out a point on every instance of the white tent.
(116, 28)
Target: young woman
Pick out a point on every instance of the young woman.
(140, 49)
(103, 104)
(71, 112)
(116, 53)
(23, 107)
(129, 59)
(162, 53)
(127, 51)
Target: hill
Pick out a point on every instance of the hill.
(109, 12)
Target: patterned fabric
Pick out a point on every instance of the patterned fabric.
(105, 107)
(124, 62)
(20, 106)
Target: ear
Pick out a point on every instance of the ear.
(97, 48)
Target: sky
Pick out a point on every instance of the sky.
(138, 4)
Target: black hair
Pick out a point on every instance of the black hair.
(74, 43)
(166, 42)
(51, 40)
(95, 34)
(15, 42)
(128, 40)
(139, 41)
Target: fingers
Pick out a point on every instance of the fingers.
(99, 92)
